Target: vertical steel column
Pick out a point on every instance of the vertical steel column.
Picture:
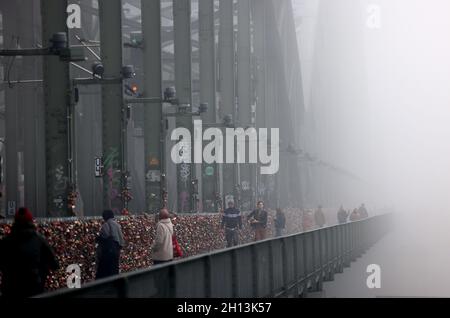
(110, 14)
(210, 173)
(183, 85)
(244, 89)
(151, 30)
(275, 91)
(227, 88)
(56, 96)
(9, 14)
(40, 153)
(30, 104)
(88, 129)
(259, 46)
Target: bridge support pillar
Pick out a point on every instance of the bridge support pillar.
(183, 85)
(114, 128)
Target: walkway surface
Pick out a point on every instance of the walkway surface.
(414, 263)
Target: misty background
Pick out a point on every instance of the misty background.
(377, 88)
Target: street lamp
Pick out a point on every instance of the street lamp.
(59, 47)
(97, 69)
(128, 72)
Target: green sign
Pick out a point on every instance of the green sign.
(209, 171)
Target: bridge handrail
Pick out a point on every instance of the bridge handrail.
(288, 265)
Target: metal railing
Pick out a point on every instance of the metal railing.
(289, 266)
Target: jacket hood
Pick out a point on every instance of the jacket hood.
(167, 223)
(23, 230)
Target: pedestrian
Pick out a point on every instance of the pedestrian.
(363, 214)
(307, 220)
(110, 241)
(26, 258)
(280, 222)
(342, 215)
(319, 217)
(354, 216)
(163, 244)
(258, 221)
(232, 222)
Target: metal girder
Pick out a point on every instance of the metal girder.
(258, 10)
(273, 92)
(9, 13)
(110, 14)
(153, 126)
(57, 111)
(183, 85)
(227, 104)
(210, 172)
(244, 92)
(290, 100)
(31, 103)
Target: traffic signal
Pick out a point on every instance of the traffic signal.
(132, 90)
(194, 184)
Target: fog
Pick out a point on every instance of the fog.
(380, 101)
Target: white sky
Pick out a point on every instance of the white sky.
(405, 152)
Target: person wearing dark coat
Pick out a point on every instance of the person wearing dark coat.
(280, 223)
(110, 242)
(232, 222)
(363, 214)
(258, 221)
(342, 215)
(25, 258)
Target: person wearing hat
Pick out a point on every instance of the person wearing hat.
(232, 222)
(25, 258)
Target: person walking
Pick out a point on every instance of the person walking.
(280, 222)
(110, 241)
(258, 221)
(307, 220)
(354, 216)
(363, 214)
(232, 222)
(319, 217)
(26, 258)
(342, 215)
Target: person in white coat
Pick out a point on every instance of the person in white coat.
(163, 246)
